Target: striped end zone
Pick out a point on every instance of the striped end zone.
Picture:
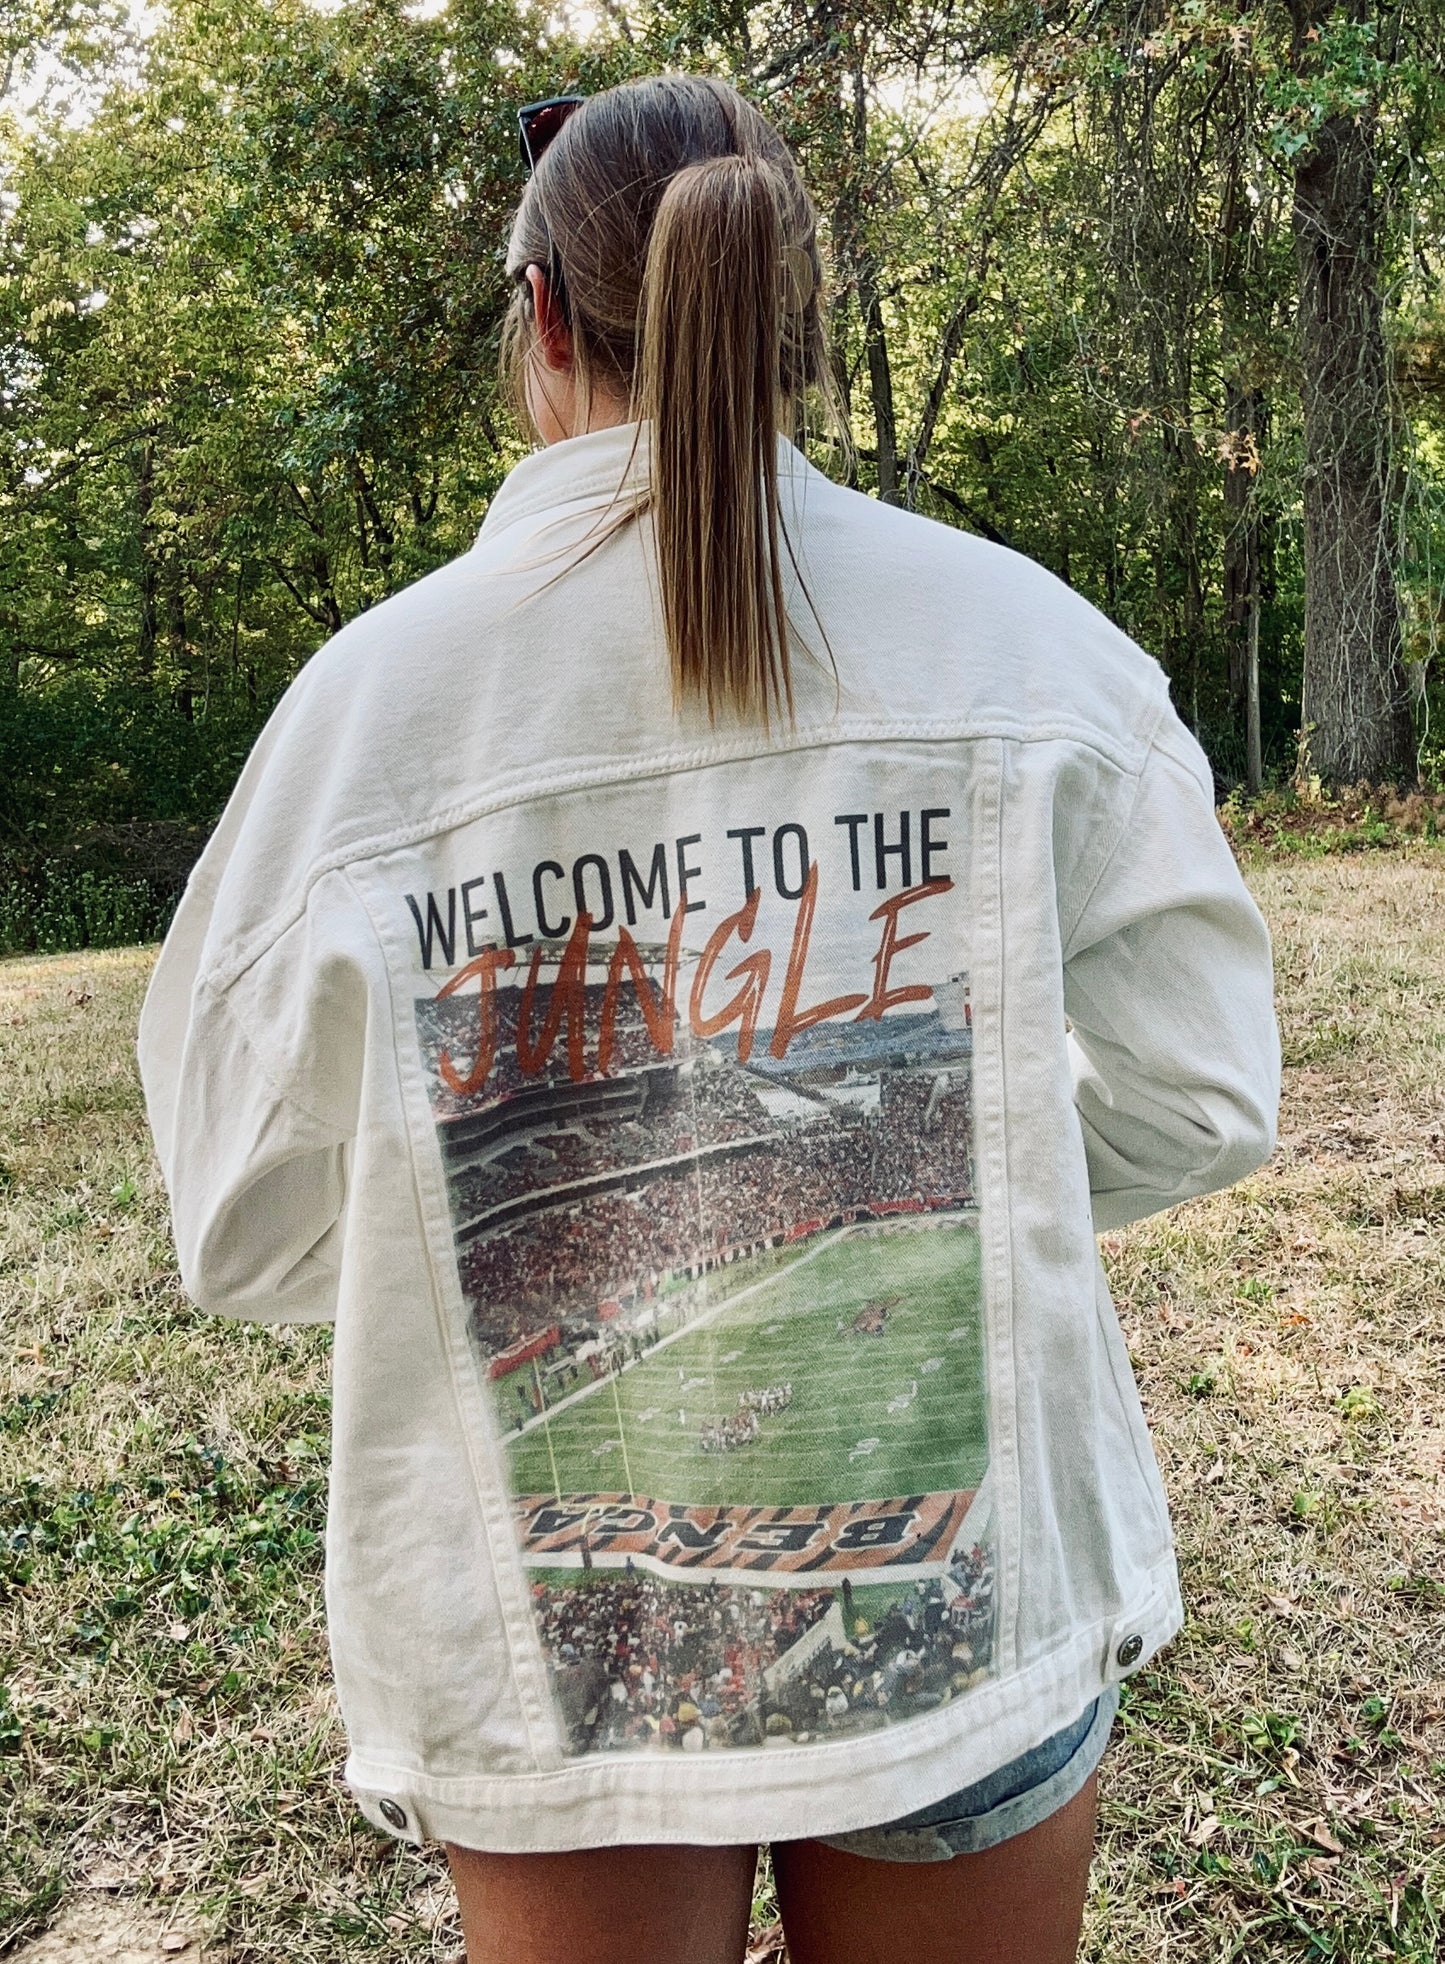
(884, 1540)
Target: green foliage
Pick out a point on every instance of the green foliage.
(252, 277)
(1346, 77)
(169, 1548)
(62, 908)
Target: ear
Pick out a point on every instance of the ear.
(554, 337)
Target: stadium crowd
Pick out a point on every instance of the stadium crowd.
(684, 1112)
(451, 1024)
(637, 1661)
(932, 1643)
(563, 1260)
(702, 1169)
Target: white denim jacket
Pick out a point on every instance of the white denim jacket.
(698, 1138)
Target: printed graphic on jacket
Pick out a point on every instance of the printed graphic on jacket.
(722, 1279)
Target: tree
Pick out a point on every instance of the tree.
(1357, 720)
(1145, 289)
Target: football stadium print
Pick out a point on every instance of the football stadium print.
(722, 1282)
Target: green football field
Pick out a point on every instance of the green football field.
(872, 1417)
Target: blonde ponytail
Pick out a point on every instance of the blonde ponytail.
(711, 321)
(686, 245)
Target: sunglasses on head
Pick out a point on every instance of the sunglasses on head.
(539, 122)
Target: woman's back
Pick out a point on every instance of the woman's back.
(681, 986)
(716, 1272)
(532, 660)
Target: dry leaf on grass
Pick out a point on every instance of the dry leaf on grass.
(1320, 1835)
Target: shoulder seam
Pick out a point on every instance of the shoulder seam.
(1108, 858)
(698, 757)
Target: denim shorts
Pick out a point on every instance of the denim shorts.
(1015, 1798)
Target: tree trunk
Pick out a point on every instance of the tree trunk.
(180, 641)
(148, 633)
(1182, 498)
(1243, 579)
(870, 306)
(1355, 710)
(1253, 746)
(1241, 537)
(1243, 423)
(880, 381)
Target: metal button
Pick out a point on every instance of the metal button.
(391, 1812)
(1130, 1651)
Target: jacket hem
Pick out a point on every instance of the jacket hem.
(764, 1793)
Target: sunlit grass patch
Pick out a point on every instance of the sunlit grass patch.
(1277, 1792)
(167, 1730)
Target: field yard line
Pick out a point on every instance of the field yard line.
(698, 1322)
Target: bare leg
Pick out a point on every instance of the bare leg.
(1019, 1903)
(630, 1905)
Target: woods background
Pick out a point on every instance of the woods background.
(1150, 292)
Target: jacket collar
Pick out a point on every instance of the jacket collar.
(592, 469)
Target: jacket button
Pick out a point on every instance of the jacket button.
(1129, 1652)
(391, 1812)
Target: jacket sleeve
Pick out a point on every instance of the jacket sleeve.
(1168, 987)
(250, 1093)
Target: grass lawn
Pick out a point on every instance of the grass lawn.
(168, 1746)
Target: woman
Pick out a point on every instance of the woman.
(681, 987)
